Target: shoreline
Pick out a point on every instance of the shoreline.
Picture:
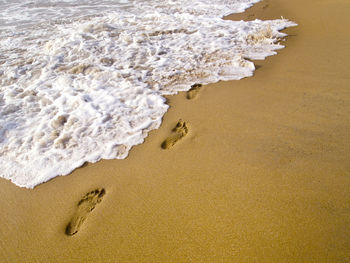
(262, 174)
(221, 50)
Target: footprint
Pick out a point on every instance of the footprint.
(85, 206)
(193, 92)
(179, 131)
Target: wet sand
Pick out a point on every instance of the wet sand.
(263, 174)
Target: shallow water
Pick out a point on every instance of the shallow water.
(85, 80)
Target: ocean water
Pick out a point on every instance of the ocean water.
(85, 80)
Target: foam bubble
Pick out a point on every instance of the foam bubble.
(88, 88)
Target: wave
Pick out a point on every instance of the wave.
(86, 88)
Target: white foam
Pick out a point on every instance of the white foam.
(79, 90)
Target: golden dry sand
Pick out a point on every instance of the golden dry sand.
(262, 176)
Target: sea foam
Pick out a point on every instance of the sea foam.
(86, 81)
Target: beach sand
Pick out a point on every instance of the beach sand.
(263, 174)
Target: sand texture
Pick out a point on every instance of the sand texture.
(263, 175)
